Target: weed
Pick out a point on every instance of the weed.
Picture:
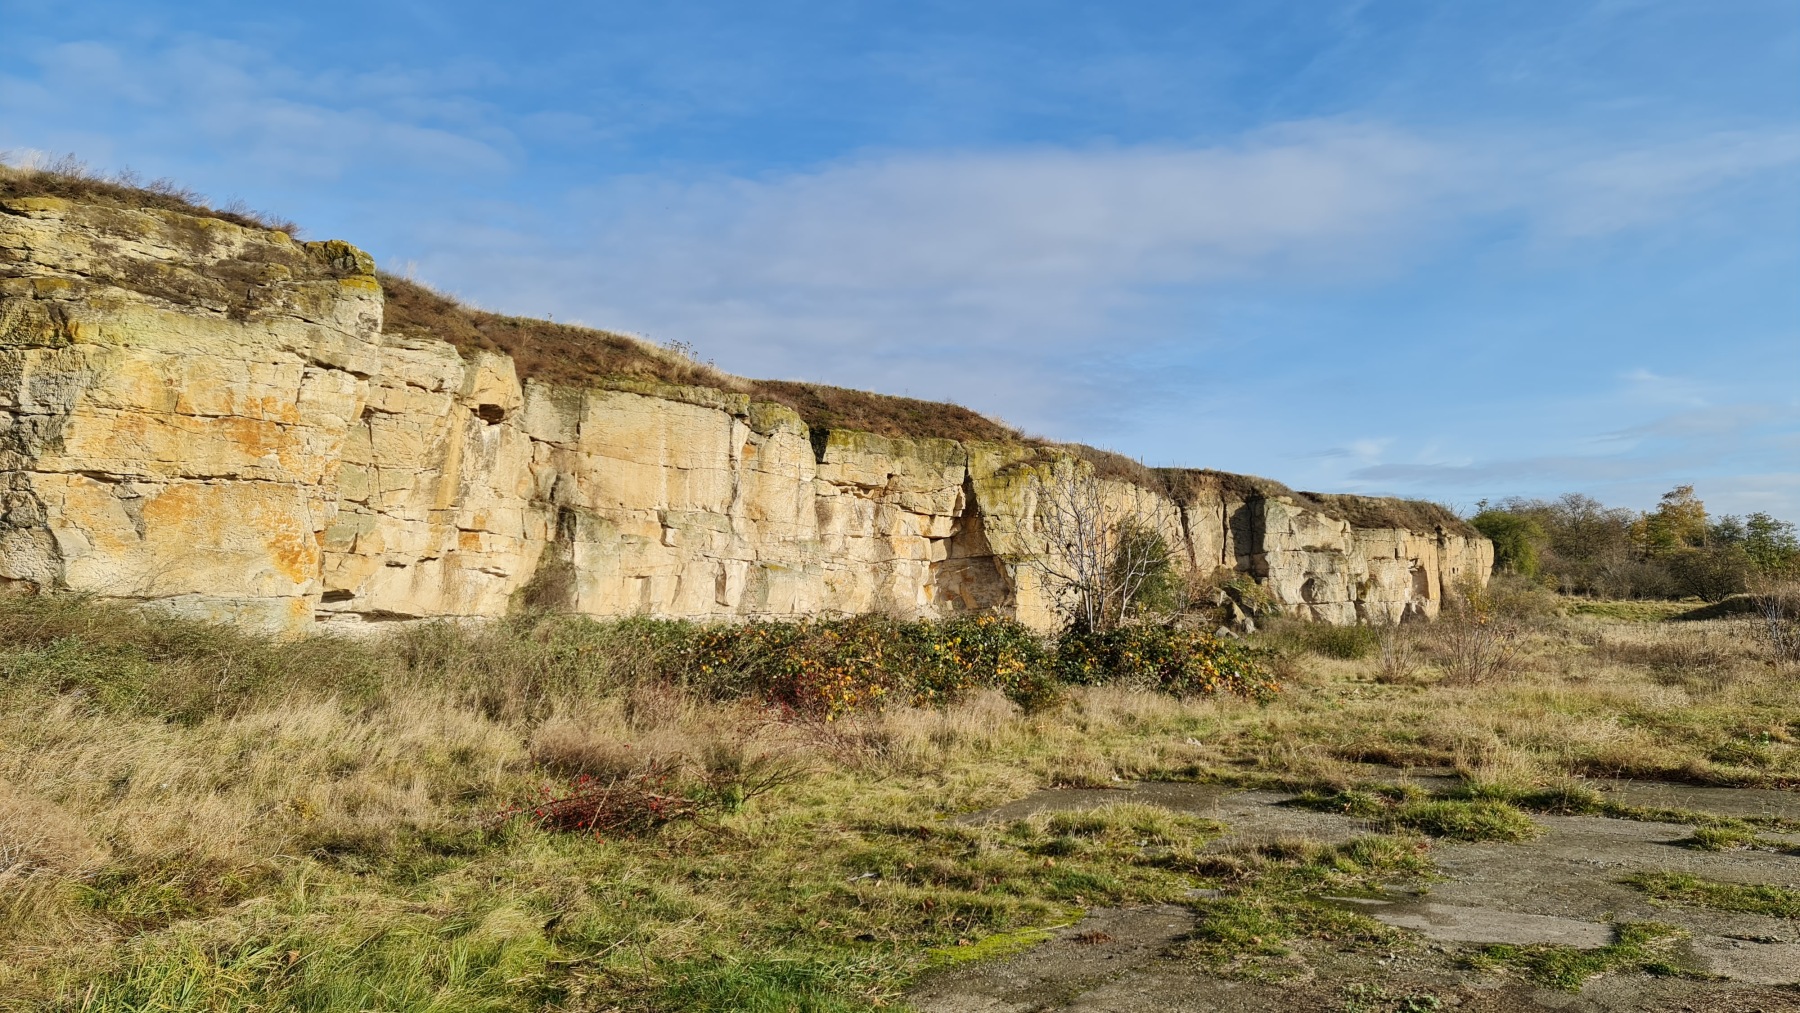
(1723, 836)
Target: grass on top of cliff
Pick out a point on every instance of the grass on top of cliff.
(71, 179)
(194, 818)
(578, 356)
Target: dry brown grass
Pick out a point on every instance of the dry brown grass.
(540, 349)
(71, 179)
(582, 356)
(828, 408)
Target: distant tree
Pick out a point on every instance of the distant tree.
(1770, 543)
(1586, 547)
(1677, 523)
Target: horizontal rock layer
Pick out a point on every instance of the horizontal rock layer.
(211, 417)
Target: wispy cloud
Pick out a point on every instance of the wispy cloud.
(265, 118)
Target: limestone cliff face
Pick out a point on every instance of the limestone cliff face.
(210, 417)
(175, 393)
(1326, 568)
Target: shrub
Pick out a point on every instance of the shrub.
(1399, 653)
(1475, 640)
(1292, 635)
(954, 657)
(1175, 660)
(1778, 612)
(1347, 643)
(830, 667)
(1516, 538)
(1710, 574)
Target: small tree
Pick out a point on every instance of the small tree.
(1103, 560)
(1517, 538)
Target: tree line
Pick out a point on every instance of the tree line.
(1578, 545)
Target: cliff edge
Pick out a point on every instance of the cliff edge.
(213, 416)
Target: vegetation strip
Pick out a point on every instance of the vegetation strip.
(1682, 888)
(1638, 946)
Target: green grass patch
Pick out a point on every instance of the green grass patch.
(1275, 897)
(1406, 807)
(1571, 798)
(762, 986)
(1467, 821)
(998, 946)
(1637, 946)
(1245, 935)
(415, 967)
(1681, 888)
(1723, 836)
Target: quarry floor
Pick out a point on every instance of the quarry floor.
(1561, 889)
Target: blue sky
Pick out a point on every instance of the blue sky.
(1452, 250)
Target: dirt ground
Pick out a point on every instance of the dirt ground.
(1561, 889)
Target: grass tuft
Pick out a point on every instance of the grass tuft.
(1682, 888)
(1637, 946)
(1406, 807)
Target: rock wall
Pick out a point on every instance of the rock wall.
(210, 417)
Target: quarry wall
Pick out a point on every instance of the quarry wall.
(211, 417)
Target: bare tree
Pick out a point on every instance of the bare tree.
(1100, 554)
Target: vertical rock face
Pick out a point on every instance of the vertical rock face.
(210, 417)
(1395, 563)
(175, 394)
